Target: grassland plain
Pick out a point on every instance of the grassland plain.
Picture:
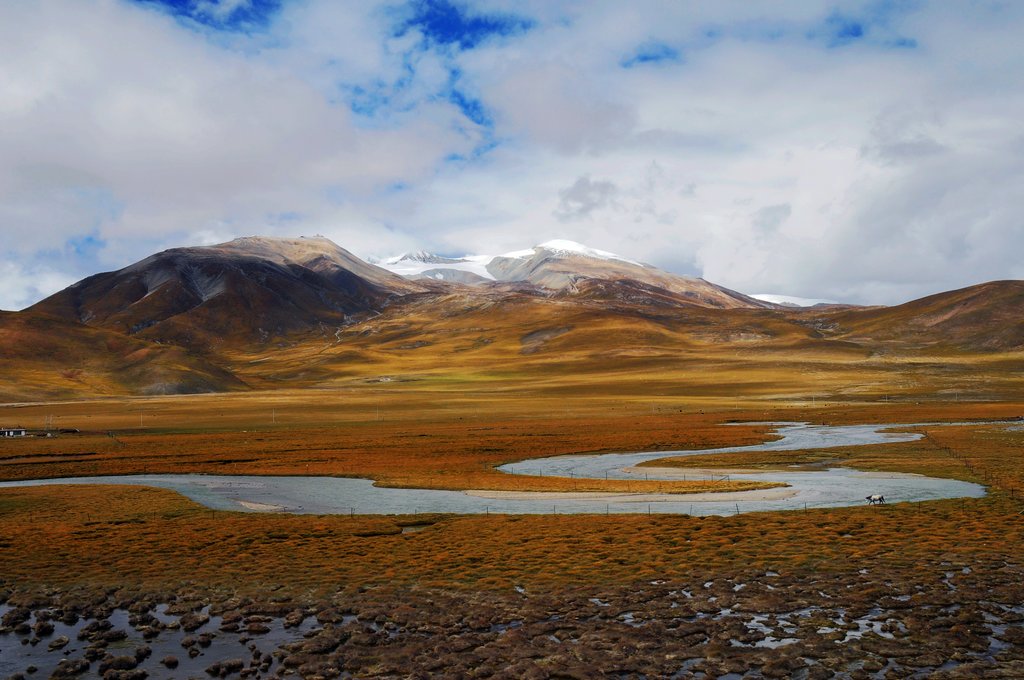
(930, 587)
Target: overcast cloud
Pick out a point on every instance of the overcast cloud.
(869, 152)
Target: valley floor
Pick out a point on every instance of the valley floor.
(903, 590)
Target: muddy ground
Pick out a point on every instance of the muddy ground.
(942, 620)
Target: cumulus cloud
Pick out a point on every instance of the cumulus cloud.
(21, 284)
(863, 152)
(584, 197)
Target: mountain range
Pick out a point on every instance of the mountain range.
(562, 265)
(262, 312)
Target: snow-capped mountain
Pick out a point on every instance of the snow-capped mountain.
(468, 269)
(791, 300)
(561, 265)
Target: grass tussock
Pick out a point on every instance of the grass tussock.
(155, 538)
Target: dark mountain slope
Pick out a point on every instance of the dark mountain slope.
(252, 289)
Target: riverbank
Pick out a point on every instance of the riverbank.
(758, 495)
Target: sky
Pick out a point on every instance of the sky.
(868, 152)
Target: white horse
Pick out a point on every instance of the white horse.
(875, 499)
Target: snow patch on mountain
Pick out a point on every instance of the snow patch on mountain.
(418, 264)
(564, 247)
(791, 300)
(422, 256)
(415, 264)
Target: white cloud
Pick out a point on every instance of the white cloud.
(875, 170)
(21, 285)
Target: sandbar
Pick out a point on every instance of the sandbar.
(619, 497)
(696, 474)
(261, 507)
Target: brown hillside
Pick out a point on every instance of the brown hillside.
(50, 358)
(571, 273)
(988, 317)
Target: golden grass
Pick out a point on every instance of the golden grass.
(414, 447)
(114, 535)
(489, 342)
(157, 539)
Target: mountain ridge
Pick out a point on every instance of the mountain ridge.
(559, 265)
(259, 313)
(251, 288)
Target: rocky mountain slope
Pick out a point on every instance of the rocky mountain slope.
(250, 289)
(562, 266)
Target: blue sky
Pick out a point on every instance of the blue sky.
(862, 151)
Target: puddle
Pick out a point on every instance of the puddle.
(17, 652)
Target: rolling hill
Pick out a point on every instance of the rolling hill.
(259, 313)
(988, 317)
(51, 358)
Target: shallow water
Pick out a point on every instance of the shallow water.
(332, 495)
(17, 653)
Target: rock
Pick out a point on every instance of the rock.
(928, 659)
(90, 630)
(15, 616)
(142, 653)
(59, 643)
(873, 665)
(326, 641)
(818, 673)
(112, 635)
(170, 661)
(193, 621)
(136, 674)
(43, 628)
(225, 668)
(69, 668)
(1013, 635)
(294, 619)
(117, 663)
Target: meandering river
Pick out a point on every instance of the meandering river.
(832, 487)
